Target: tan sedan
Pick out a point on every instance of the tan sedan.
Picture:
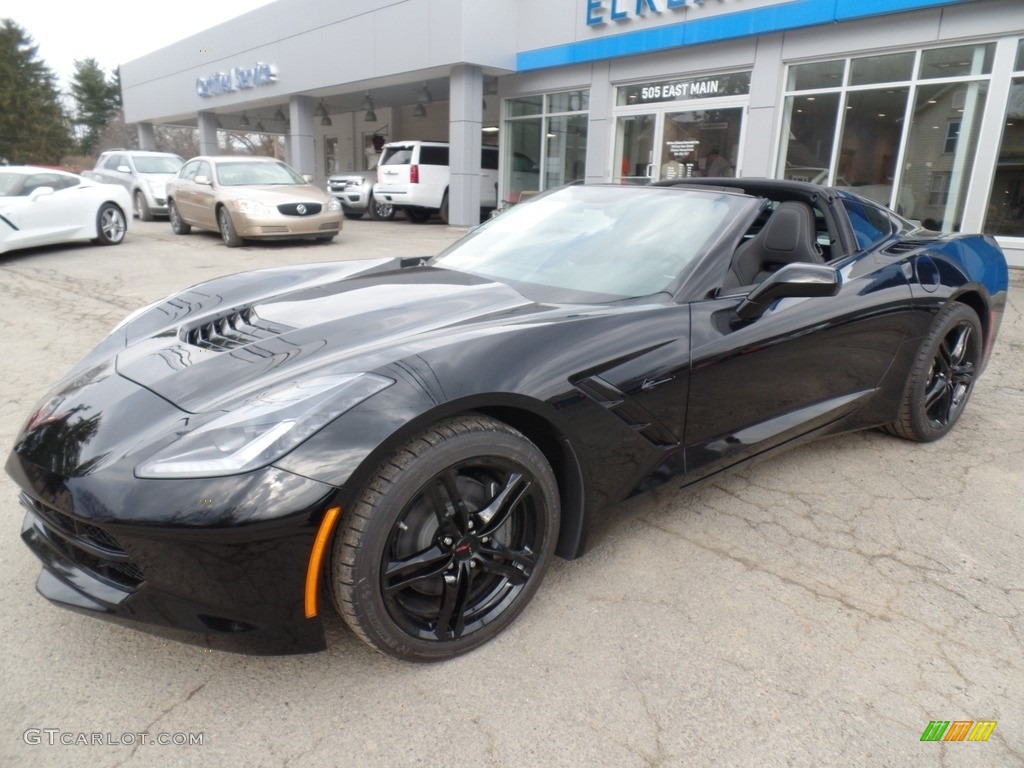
(249, 197)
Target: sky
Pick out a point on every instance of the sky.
(113, 31)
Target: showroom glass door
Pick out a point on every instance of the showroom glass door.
(675, 144)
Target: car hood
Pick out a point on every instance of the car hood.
(274, 194)
(210, 360)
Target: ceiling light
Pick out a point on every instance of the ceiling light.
(244, 120)
(279, 116)
(420, 111)
(321, 110)
(259, 125)
(326, 120)
(371, 116)
(367, 102)
(424, 96)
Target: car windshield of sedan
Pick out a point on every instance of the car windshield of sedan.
(157, 164)
(618, 242)
(247, 174)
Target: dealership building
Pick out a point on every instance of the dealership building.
(918, 104)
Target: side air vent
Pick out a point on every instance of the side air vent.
(903, 247)
(635, 415)
(232, 331)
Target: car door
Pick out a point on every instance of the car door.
(44, 217)
(803, 364)
(204, 203)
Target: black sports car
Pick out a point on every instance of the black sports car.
(416, 439)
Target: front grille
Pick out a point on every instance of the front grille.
(232, 331)
(86, 545)
(300, 209)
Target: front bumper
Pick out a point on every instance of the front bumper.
(283, 227)
(236, 587)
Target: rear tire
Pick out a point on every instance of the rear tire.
(381, 210)
(942, 377)
(447, 542)
(444, 208)
(178, 225)
(227, 228)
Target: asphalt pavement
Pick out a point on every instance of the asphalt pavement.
(817, 609)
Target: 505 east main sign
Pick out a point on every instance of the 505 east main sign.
(236, 79)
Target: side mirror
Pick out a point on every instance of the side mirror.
(308, 178)
(791, 281)
(38, 192)
(204, 180)
(123, 169)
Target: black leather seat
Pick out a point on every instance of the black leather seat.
(787, 237)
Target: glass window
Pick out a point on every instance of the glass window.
(526, 105)
(818, 74)
(1005, 213)
(870, 224)
(811, 121)
(1019, 66)
(872, 127)
(566, 150)
(188, 172)
(891, 68)
(430, 155)
(397, 156)
(958, 61)
(522, 169)
(330, 156)
(942, 139)
(569, 101)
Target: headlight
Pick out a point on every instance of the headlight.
(264, 428)
(250, 207)
(334, 204)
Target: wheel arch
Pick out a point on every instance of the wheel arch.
(973, 298)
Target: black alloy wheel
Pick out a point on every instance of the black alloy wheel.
(943, 376)
(448, 543)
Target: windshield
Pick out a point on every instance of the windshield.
(615, 241)
(158, 164)
(245, 174)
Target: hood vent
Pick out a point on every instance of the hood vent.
(232, 331)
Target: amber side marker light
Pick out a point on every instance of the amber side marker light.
(316, 557)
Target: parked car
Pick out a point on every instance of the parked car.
(414, 175)
(42, 206)
(144, 174)
(418, 440)
(355, 191)
(250, 198)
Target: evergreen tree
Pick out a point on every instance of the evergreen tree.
(33, 125)
(97, 101)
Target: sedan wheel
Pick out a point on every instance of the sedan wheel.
(943, 375)
(110, 224)
(178, 225)
(448, 542)
(227, 229)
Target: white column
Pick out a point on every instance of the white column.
(301, 147)
(147, 136)
(208, 134)
(465, 124)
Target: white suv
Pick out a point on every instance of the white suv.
(414, 175)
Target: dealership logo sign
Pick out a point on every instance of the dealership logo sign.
(236, 79)
(603, 11)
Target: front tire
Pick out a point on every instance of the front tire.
(110, 225)
(142, 211)
(178, 225)
(227, 229)
(448, 542)
(942, 377)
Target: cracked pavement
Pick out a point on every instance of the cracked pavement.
(815, 609)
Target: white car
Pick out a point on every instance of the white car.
(41, 206)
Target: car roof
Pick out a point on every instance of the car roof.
(237, 159)
(28, 169)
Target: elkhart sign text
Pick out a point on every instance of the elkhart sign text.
(236, 79)
(603, 11)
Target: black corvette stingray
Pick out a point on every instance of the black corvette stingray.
(414, 440)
